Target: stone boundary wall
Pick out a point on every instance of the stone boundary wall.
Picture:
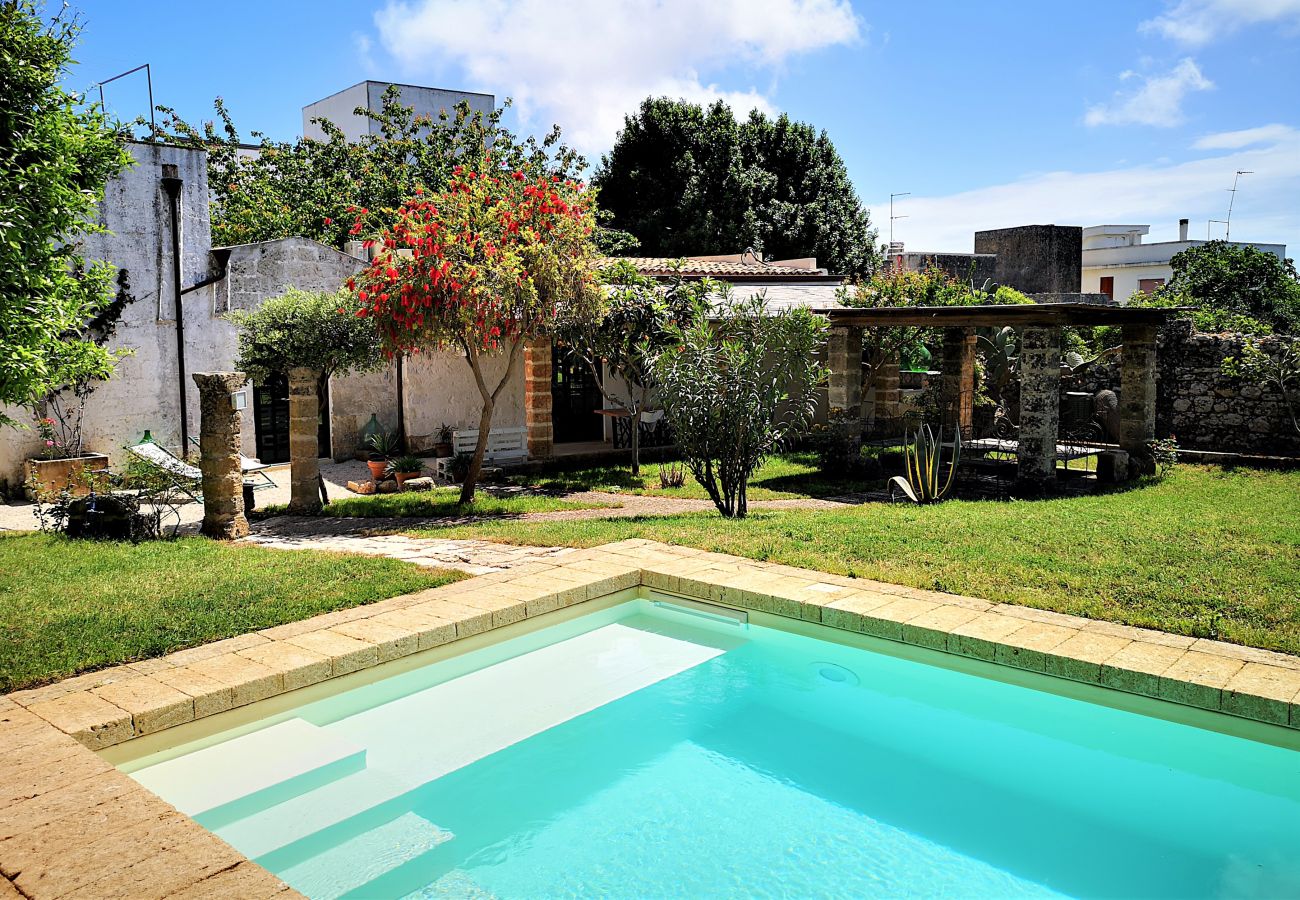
(1196, 402)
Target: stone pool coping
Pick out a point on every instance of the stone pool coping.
(71, 824)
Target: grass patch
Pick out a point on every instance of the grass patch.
(784, 477)
(437, 503)
(1204, 552)
(69, 606)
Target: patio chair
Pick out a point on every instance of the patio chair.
(184, 477)
(250, 469)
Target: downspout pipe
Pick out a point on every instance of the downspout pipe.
(172, 186)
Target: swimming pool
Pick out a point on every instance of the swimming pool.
(654, 749)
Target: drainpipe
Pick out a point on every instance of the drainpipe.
(172, 186)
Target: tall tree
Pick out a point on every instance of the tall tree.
(687, 180)
(484, 266)
(56, 155)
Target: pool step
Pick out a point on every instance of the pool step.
(224, 782)
(361, 859)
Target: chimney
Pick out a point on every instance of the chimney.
(1182, 229)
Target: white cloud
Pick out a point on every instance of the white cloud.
(1198, 22)
(1159, 101)
(1157, 195)
(587, 63)
(1235, 140)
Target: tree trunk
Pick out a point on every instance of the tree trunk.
(636, 442)
(304, 442)
(485, 418)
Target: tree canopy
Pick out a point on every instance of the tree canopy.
(305, 329)
(56, 155)
(1233, 287)
(685, 180)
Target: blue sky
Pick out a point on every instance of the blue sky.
(989, 114)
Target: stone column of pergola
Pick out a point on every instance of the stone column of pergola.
(219, 446)
(1040, 403)
(1137, 391)
(958, 373)
(537, 398)
(844, 359)
(304, 441)
(884, 381)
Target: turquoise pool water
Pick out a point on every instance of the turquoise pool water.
(644, 753)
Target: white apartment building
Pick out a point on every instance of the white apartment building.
(1116, 262)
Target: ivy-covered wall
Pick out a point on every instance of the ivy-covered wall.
(1197, 403)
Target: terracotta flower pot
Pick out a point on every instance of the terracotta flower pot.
(377, 469)
(403, 477)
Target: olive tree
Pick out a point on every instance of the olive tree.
(309, 336)
(738, 383)
(633, 326)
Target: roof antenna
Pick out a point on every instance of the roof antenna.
(1227, 223)
(148, 74)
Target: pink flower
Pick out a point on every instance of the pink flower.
(49, 443)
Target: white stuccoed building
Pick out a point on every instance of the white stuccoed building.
(425, 101)
(1118, 264)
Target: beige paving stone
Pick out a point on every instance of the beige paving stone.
(428, 630)
(216, 648)
(850, 614)
(72, 798)
(1050, 617)
(346, 654)
(930, 629)
(1146, 635)
(979, 638)
(22, 732)
(248, 681)
(1197, 679)
(150, 666)
(1247, 654)
(296, 666)
(887, 621)
(1079, 657)
(210, 696)
(812, 597)
(1262, 692)
(1138, 667)
(92, 720)
(393, 642)
(505, 608)
(1027, 647)
(468, 620)
(46, 771)
(67, 686)
(242, 882)
(153, 705)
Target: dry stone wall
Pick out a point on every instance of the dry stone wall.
(1200, 405)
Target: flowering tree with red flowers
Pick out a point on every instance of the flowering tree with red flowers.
(483, 267)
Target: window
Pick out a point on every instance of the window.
(1108, 286)
(1147, 285)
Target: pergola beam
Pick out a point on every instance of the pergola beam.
(1027, 315)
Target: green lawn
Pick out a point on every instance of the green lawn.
(787, 476)
(1204, 552)
(69, 606)
(437, 503)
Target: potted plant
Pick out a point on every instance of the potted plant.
(382, 447)
(406, 467)
(442, 447)
(63, 464)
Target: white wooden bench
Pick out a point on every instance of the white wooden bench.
(504, 445)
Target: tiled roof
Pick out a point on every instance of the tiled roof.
(663, 265)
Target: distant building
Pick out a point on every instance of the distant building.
(1116, 262)
(976, 268)
(1035, 259)
(426, 101)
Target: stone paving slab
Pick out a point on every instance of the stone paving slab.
(53, 786)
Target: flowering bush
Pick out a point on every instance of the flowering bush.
(481, 267)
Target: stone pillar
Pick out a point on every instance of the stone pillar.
(1040, 404)
(958, 378)
(537, 398)
(844, 359)
(304, 441)
(219, 446)
(1137, 390)
(884, 381)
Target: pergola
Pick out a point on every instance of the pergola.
(1039, 326)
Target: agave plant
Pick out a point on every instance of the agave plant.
(924, 453)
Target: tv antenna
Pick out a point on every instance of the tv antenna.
(1227, 223)
(1210, 222)
(148, 79)
(892, 217)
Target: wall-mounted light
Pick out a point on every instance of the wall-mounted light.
(239, 400)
